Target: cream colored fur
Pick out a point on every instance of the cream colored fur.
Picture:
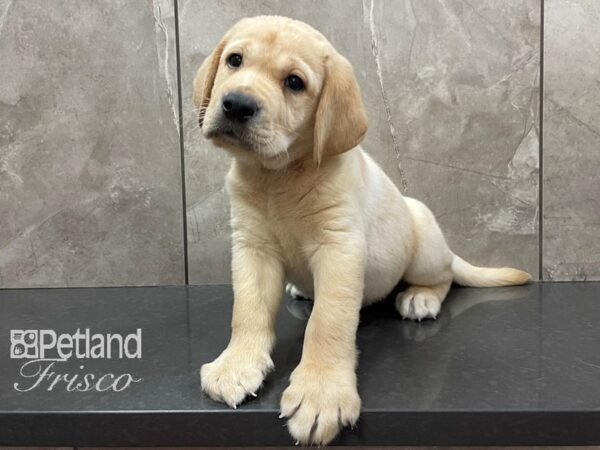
(309, 207)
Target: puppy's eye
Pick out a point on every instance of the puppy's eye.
(234, 60)
(294, 82)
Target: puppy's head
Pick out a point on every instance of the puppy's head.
(274, 90)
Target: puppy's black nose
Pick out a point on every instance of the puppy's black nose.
(239, 107)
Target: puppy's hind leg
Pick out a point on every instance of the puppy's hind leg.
(429, 271)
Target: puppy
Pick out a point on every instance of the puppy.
(311, 208)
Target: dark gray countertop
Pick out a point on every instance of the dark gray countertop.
(503, 366)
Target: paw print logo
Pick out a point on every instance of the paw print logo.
(23, 344)
(18, 350)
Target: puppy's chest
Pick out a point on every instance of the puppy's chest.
(297, 227)
(293, 232)
(296, 243)
(292, 217)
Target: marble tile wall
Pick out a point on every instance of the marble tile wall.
(90, 182)
(571, 195)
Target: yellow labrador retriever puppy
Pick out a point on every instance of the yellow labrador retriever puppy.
(311, 208)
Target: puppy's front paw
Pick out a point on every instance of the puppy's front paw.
(235, 374)
(318, 403)
(418, 303)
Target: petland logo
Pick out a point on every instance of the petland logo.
(46, 351)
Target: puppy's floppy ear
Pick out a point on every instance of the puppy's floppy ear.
(341, 120)
(205, 79)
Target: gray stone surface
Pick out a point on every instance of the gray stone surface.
(90, 187)
(571, 140)
(508, 366)
(451, 90)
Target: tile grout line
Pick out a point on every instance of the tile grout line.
(541, 151)
(181, 145)
(540, 367)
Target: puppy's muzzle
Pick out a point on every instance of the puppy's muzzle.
(239, 107)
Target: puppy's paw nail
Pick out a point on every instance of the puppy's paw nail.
(318, 410)
(235, 375)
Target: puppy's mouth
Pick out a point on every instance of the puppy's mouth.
(231, 135)
(225, 132)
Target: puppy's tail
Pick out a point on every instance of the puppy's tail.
(466, 274)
